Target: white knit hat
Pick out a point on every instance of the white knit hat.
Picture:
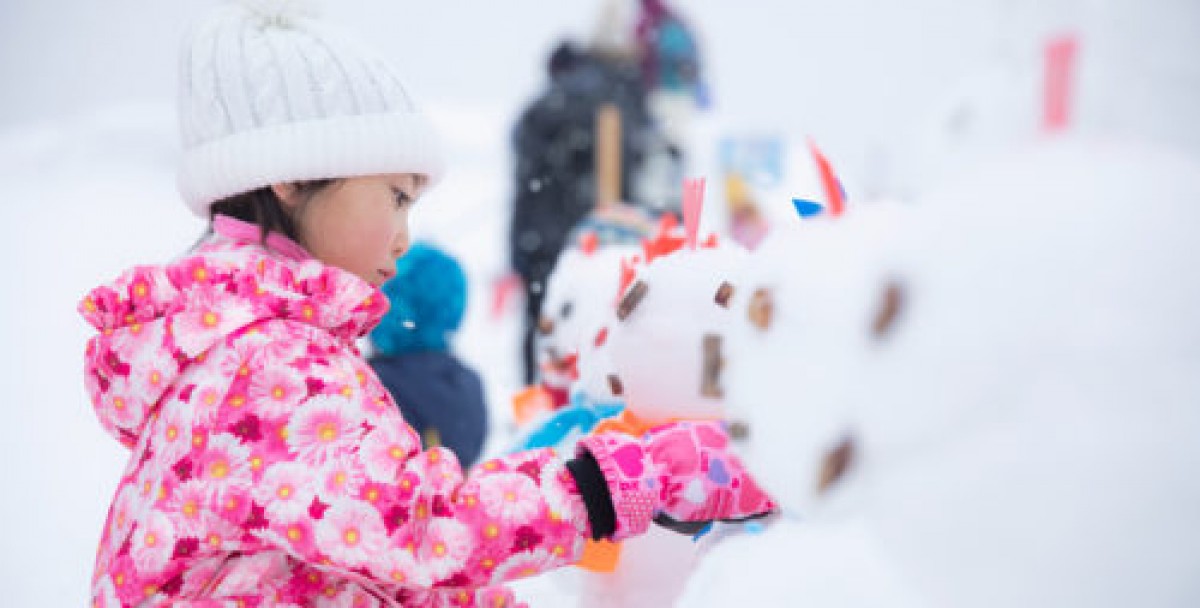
(268, 95)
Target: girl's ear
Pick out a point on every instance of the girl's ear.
(286, 193)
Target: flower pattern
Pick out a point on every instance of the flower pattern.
(269, 465)
(286, 491)
(385, 450)
(523, 564)
(323, 427)
(351, 532)
(276, 389)
(153, 543)
(512, 498)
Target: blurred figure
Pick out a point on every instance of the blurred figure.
(669, 54)
(554, 142)
(747, 224)
(669, 58)
(439, 396)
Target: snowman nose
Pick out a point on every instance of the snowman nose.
(762, 308)
(891, 305)
(714, 364)
(837, 461)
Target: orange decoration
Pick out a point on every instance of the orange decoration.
(530, 402)
(600, 556)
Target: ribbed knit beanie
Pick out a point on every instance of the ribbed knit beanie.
(270, 94)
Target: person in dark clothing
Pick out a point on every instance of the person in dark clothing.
(554, 142)
(439, 396)
(668, 51)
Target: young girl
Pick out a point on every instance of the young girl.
(268, 465)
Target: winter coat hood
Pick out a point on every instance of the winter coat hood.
(155, 321)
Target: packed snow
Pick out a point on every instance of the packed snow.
(1024, 432)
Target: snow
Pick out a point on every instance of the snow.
(825, 279)
(835, 564)
(1075, 485)
(652, 571)
(1026, 432)
(1034, 423)
(78, 212)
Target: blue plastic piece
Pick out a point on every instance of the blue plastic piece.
(807, 208)
(577, 418)
(753, 527)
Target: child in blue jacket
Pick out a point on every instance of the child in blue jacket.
(439, 396)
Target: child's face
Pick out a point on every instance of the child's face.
(358, 224)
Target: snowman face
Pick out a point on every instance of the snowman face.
(668, 339)
(813, 305)
(578, 295)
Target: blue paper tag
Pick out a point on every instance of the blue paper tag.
(807, 208)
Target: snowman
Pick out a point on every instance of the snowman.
(579, 294)
(1024, 431)
(814, 303)
(664, 343)
(666, 339)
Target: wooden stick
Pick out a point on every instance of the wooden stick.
(608, 156)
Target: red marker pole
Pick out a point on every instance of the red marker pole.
(833, 190)
(1059, 74)
(693, 204)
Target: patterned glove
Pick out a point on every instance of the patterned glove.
(680, 475)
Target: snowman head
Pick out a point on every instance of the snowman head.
(578, 296)
(813, 304)
(666, 341)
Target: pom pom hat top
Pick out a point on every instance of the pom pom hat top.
(269, 94)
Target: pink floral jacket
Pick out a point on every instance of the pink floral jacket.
(269, 466)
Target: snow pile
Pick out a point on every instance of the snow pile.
(1032, 432)
(803, 322)
(1025, 432)
(85, 200)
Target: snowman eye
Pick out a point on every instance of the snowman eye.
(614, 385)
(724, 294)
(565, 311)
(632, 298)
(762, 308)
(891, 304)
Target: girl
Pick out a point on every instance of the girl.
(268, 465)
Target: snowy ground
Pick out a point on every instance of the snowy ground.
(87, 155)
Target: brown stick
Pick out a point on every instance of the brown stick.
(608, 156)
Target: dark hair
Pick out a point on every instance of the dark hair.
(263, 209)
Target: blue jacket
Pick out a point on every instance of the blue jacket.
(440, 397)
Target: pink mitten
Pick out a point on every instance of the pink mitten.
(681, 472)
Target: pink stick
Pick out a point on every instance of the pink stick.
(693, 204)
